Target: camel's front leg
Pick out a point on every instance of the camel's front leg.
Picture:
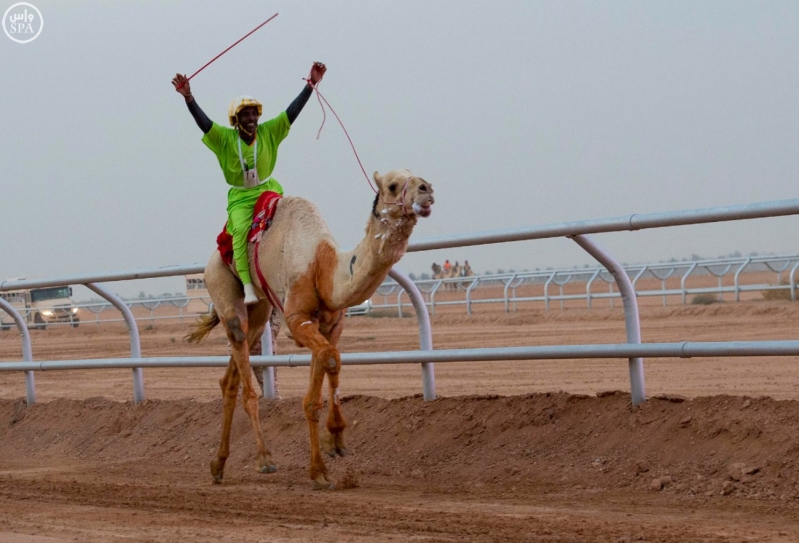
(333, 438)
(230, 389)
(324, 357)
(240, 352)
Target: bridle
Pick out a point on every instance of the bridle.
(401, 201)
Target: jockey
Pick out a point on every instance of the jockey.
(247, 154)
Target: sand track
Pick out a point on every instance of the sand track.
(501, 456)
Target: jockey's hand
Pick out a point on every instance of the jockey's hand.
(181, 83)
(317, 72)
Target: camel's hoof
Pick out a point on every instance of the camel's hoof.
(329, 445)
(217, 471)
(323, 483)
(269, 468)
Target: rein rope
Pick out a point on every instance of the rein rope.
(321, 98)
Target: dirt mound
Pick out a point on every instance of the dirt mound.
(86, 465)
(703, 447)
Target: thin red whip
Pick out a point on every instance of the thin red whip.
(321, 98)
(229, 48)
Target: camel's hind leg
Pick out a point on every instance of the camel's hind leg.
(230, 389)
(324, 358)
(256, 319)
(238, 320)
(237, 332)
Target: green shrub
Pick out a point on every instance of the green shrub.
(387, 314)
(777, 294)
(704, 299)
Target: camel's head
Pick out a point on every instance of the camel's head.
(400, 193)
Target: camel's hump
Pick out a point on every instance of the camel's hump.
(300, 214)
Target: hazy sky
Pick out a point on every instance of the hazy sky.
(519, 113)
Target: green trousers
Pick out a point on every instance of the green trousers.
(239, 221)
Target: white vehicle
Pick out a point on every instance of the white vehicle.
(363, 308)
(199, 299)
(40, 307)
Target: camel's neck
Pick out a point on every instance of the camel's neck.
(359, 272)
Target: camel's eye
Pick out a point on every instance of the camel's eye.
(392, 188)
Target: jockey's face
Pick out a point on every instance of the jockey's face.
(248, 119)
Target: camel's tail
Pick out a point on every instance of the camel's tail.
(203, 327)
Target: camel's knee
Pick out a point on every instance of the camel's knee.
(229, 385)
(235, 330)
(312, 409)
(331, 361)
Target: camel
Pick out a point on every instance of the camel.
(316, 282)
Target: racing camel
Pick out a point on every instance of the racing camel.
(316, 282)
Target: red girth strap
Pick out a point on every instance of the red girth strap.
(270, 294)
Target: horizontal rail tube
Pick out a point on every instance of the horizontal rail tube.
(683, 349)
(632, 222)
(166, 271)
(614, 224)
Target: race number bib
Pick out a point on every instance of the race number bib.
(251, 178)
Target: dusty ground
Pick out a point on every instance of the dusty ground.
(525, 451)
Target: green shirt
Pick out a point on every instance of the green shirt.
(223, 142)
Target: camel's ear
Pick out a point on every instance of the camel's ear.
(378, 179)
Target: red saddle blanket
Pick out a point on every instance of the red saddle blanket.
(263, 212)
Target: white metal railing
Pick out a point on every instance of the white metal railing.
(579, 232)
(510, 283)
(177, 308)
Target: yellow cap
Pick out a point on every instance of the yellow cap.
(240, 103)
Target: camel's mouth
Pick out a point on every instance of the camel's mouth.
(422, 210)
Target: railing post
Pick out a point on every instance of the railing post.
(469, 295)
(399, 303)
(425, 332)
(546, 290)
(27, 352)
(793, 282)
(433, 297)
(632, 322)
(133, 330)
(736, 279)
(682, 283)
(588, 286)
(505, 293)
(268, 371)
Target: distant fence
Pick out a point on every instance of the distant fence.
(664, 280)
(578, 231)
(683, 282)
